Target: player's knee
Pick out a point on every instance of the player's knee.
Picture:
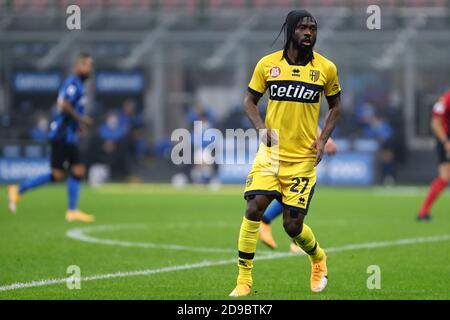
(292, 228)
(252, 213)
(291, 223)
(57, 175)
(444, 172)
(254, 210)
(446, 176)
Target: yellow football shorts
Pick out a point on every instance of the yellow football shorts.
(290, 182)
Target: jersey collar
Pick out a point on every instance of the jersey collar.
(290, 62)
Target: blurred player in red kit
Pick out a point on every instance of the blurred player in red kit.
(440, 125)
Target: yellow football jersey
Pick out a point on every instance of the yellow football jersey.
(295, 93)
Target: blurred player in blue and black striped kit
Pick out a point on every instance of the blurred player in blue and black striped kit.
(66, 124)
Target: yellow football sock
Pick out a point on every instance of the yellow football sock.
(248, 237)
(309, 244)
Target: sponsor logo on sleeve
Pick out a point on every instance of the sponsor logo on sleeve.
(275, 72)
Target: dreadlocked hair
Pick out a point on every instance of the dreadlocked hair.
(289, 25)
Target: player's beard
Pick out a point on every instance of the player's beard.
(304, 50)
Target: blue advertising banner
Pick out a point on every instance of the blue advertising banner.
(16, 169)
(35, 81)
(119, 82)
(234, 173)
(348, 169)
(352, 169)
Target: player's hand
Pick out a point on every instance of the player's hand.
(269, 137)
(330, 147)
(319, 146)
(447, 146)
(87, 121)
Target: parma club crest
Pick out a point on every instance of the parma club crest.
(314, 75)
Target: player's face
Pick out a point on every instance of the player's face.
(84, 67)
(305, 34)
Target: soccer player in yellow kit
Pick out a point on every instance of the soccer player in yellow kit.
(284, 168)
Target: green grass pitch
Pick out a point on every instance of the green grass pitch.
(155, 242)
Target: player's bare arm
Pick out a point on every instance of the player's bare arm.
(330, 146)
(330, 123)
(66, 107)
(251, 109)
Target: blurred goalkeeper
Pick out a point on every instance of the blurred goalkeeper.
(66, 124)
(440, 125)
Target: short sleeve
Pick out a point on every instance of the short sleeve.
(332, 86)
(68, 92)
(439, 107)
(258, 84)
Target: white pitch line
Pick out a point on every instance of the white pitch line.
(81, 235)
(212, 263)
